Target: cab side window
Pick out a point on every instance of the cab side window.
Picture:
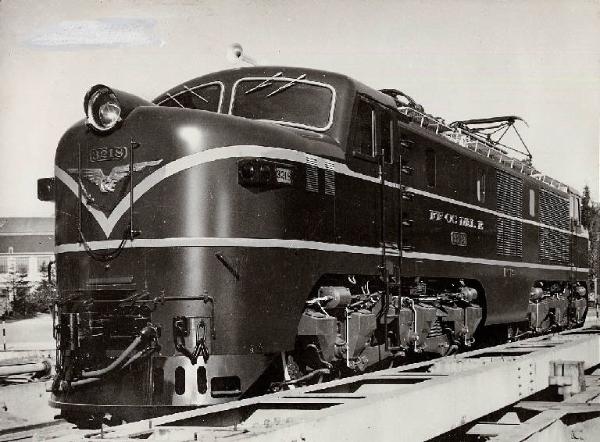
(363, 141)
(575, 209)
(385, 136)
(430, 167)
(480, 185)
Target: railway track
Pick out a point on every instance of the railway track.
(420, 401)
(42, 431)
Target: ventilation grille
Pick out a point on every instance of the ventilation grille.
(312, 174)
(329, 178)
(554, 210)
(554, 246)
(510, 194)
(509, 239)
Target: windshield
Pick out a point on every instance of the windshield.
(290, 101)
(206, 96)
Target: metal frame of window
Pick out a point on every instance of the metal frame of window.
(355, 126)
(391, 145)
(575, 209)
(376, 109)
(430, 153)
(184, 91)
(374, 137)
(532, 203)
(481, 178)
(286, 79)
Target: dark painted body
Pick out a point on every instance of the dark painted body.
(259, 252)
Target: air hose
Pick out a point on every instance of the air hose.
(115, 363)
(148, 333)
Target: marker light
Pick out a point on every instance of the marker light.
(265, 173)
(102, 108)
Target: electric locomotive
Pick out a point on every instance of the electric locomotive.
(264, 227)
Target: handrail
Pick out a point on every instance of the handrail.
(468, 141)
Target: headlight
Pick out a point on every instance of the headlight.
(102, 108)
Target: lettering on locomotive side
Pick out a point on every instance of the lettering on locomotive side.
(451, 218)
(107, 154)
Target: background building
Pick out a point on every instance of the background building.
(26, 248)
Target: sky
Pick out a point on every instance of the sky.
(537, 59)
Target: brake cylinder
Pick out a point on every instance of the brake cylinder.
(338, 296)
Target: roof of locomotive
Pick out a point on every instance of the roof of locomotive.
(346, 90)
(344, 85)
(564, 192)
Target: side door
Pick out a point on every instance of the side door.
(365, 200)
(357, 199)
(387, 149)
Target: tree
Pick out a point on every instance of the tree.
(18, 290)
(25, 302)
(588, 211)
(43, 296)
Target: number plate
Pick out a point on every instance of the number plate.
(283, 175)
(458, 239)
(107, 154)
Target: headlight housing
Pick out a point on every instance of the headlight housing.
(102, 108)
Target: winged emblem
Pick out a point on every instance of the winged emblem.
(107, 183)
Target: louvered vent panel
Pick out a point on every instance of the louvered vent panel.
(329, 178)
(509, 239)
(312, 174)
(554, 246)
(510, 194)
(554, 211)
